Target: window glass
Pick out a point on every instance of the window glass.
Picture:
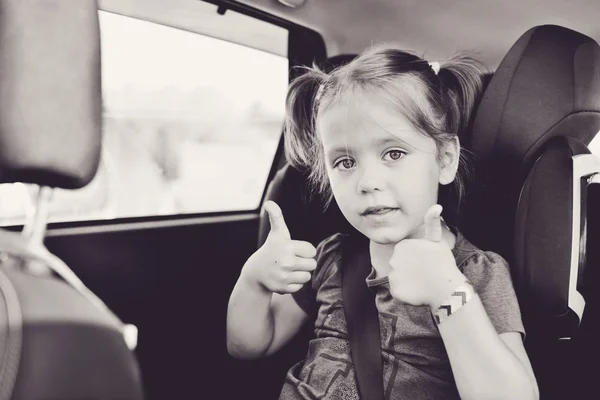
(191, 124)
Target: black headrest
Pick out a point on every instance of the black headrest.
(547, 85)
(50, 92)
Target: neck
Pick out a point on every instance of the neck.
(381, 254)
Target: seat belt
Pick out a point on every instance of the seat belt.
(362, 318)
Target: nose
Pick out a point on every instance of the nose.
(370, 178)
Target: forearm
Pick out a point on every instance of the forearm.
(250, 325)
(484, 367)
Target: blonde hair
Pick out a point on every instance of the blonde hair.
(440, 105)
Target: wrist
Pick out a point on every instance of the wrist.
(460, 296)
(251, 280)
(444, 289)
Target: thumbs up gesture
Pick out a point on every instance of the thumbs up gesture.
(423, 271)
(281, 265)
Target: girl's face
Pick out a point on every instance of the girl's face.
(383, 172)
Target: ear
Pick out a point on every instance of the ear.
(449, 160)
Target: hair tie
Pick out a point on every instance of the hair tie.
(435, 66)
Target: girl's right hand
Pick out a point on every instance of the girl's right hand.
(281, 265)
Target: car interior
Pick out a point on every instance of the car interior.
(139, 140)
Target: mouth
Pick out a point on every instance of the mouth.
(378, 210)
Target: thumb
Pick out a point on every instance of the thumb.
(433, 223)
(276, 219)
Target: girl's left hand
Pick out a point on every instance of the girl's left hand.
(423, 271)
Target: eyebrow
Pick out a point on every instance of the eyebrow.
(378, 143)
(336, 151)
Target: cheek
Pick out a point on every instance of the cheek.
(434, 174)
(342, 190)
(338, 187)
(421, 188)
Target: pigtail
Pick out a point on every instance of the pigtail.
(299, 125)
(461, 79)
(462, 83)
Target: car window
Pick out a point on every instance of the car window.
(191, 123)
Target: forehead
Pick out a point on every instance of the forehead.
(361, 119)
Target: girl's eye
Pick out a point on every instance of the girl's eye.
(344, 164)
(394, 155)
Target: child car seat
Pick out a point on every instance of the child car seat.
(532, 192)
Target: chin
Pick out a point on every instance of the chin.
(385, 236)
(385, 241)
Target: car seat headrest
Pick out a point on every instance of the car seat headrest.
(547, 85)
(50, 93)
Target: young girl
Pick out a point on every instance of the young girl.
(380, 135)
